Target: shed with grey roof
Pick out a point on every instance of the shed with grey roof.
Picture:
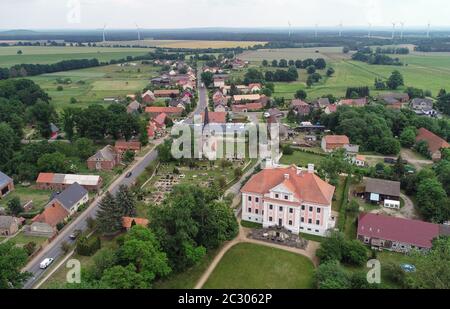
(378, 190)
(73, 197)
(6, 184)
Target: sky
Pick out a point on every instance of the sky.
(159, 14)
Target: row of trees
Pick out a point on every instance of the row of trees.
(376, 58)
(318, 63)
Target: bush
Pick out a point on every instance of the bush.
(60, 88)
(88, 246)
(30, 247)
(395, 273)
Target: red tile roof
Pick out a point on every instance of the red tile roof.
(248, 107)
(167, 110)
(160, 119)
(337, 139)
(413, 232)
(128, 145)
(52, 215)
(307, 187)
(216, 117)
(127, 221)
(435, 143)
(45, 178)
(332, 108)
(298, 102)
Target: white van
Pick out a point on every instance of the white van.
(46, 263)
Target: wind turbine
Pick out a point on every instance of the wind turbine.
(402, 29)
(104, 33)
(428, 31)
(289, 24)
(138, 33)
(393, 30)
(340, 29)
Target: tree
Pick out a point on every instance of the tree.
(443, 103)
(42, 114)
(399, 167)
(433, 268)
(274, 63)
(331, 275)
(422, 148)
(238, 172)
(120, 277)
(85, 148)
(142, 249)
(301, 94)
(207, 78)
(395, 80)
(128, 156)
(53, 163)
(408, 137)
(109, 215)
(283, 63)
(165, 151)
(126, 201)
(12, 260)
(311, 69)
(432, 201)
(15, 206)
(330, 72)
(7, 142)
(253, 76)
(354, 253)
(265, 63)
(320, 63)
(345, 50)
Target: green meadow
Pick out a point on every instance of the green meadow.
(429, 71)
(51, 54)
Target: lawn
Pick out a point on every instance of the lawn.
(22, 239)
(187, 279)
(250, 266)
(50, 54)
(39, 197)
(301, 158)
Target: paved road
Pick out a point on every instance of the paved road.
(53, 250)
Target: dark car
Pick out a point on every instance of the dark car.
(75, 234)
(128, 175)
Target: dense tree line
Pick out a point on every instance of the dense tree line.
(318, 63)
(376, 58)
(96, 122)
(392, 50)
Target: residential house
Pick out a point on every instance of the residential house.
(214, 117)
(105, 159)
(291, 198)
(383, 192)
(134, 107)
(221, 108)
(300, 107)
(333, 142)
(129, 222)
(63, 205)
(241, 89)
(238, 64)
(321, 103)
(396, 234)
(353, 102)
(250, 107)
(435, 143)
(332, 108)
(157, 125)
(273, 112)
(423, 107)
(392, 98)
(162, 81)
(253, 88)
(172, 112)
(124, 146)
(148, 97)
(351, 150)
(59, 182)
(9, 225)
(359, 160)
(6, 184)
(246, 98)
(167, 93)
(219, 82)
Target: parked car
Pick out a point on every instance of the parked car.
(408, 268)
(128, 175)
(75, 234)
(46, 263)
